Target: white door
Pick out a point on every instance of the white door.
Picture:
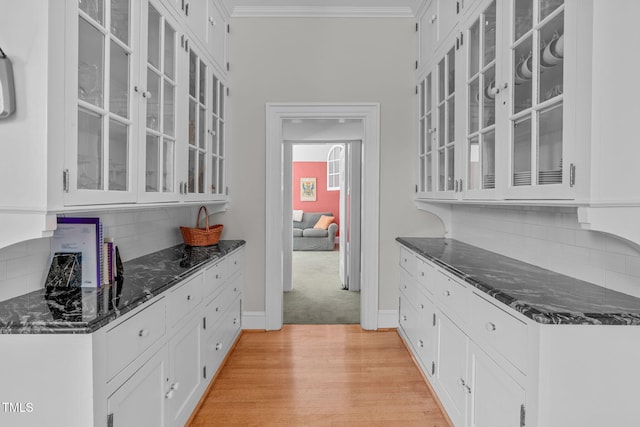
(141, 399)
(350, 215)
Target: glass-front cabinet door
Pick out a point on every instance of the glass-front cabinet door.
(536, 53)
(445, 150)
(157, 143)
(482, 88)
(99, 165)
(198, 148)
(217, 132)
(426, 137)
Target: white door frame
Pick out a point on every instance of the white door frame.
(278, 219)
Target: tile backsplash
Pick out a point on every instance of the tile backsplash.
(136, 232)
(551, 237)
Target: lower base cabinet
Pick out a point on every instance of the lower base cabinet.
(490, 366)
(141, 400)
(185, 372)
(451, 369)
(495, 399)
(148, 368)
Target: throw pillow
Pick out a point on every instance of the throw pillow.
(297, 215)
(324, 222)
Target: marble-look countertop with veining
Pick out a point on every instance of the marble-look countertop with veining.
(539, 294)
(84, 310)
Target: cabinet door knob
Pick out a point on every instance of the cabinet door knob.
(490, 326)
(143, 333)
(433, 18)
(169, 395)
(461, 382)
(188, 297)
(211, 21)
(421, 343)
(218, 346)
(447, 293)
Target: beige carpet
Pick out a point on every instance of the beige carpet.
(317, 297)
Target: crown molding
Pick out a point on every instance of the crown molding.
(321, 12)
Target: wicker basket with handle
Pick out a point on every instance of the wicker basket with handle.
(197, 236)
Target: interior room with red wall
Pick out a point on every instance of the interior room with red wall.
(326, 201)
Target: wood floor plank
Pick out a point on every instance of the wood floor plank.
(319, 375)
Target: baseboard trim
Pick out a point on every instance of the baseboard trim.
(387, 319)
(254, 320)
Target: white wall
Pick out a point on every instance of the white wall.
(310, 152)
(137, 233)
(551, 238)
(323, 60)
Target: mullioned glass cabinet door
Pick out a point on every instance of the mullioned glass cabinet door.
(482, 89)
(536, 119)
(104, 155)
(158, 144)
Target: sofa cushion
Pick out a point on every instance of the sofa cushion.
(324, 222)
(314, 232)
(309, 219)
(297, 232)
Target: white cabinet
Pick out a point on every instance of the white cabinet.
(186, 373)
(217, 35)
(451, 369)
(149, 367)
(104, 109)
(495, 367)
(512, 136)
(103, 66)
(161, 81)
(495, 399)
(141, 400)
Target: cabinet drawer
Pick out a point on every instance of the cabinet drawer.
(214, 277)
(219, 305)
(408, 261)
(426, 275)
(183, 299)
(498, 329)
(409, 287)
(235, 262)
(453, 295)
(132, 337)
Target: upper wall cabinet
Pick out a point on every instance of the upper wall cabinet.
(106, 112)
(514, 138)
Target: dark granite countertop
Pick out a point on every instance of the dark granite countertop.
(84, 310)
(537, 293)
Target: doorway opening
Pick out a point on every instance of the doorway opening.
(323, 286)
(279, 231)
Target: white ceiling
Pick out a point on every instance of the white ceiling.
(380, 8)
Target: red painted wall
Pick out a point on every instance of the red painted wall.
(326, 201)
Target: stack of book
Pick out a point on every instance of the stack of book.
(80, 255)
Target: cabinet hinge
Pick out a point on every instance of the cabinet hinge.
(416, 64)
(457, 7)
(416, 188)
(228, 66)
(204, 323)
(523, 413)
(416, 27)
(110, 420)
(65, 180)
(204, 372)
(228, 29)
(182, 4)
(228, 91)
(572, 175)
(186, 9)
(433, 368)
(416, 90)
(182, 41)
(434, 319)
(461, 39)
(226, 191)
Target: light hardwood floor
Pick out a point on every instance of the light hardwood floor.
(319, 375)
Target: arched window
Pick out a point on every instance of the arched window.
(333, 168)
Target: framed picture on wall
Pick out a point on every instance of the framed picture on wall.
(307, 189)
